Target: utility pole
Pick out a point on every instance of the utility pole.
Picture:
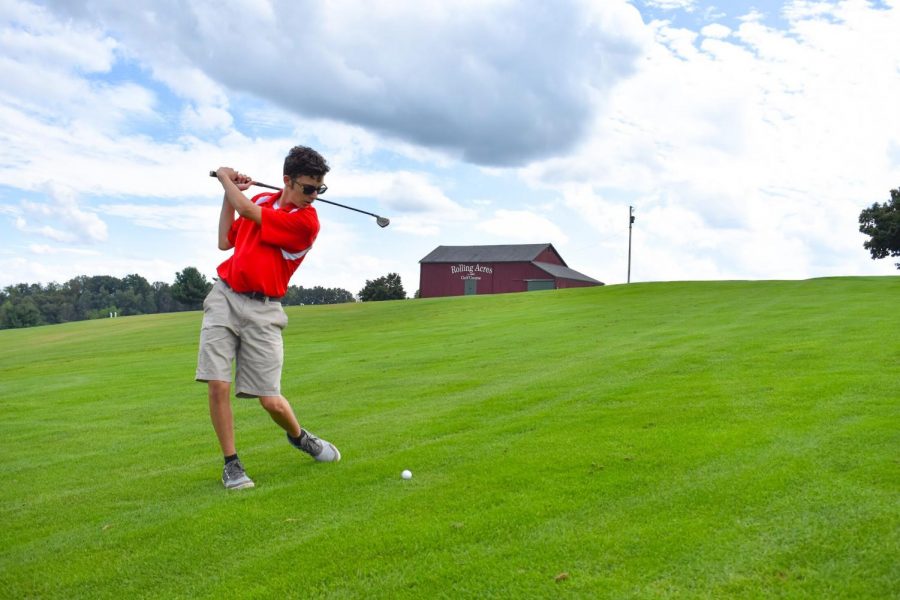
(630, 223)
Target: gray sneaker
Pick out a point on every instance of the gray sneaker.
(320, 450)
(234, 477)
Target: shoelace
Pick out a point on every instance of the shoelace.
(234, 470)
(311, 444)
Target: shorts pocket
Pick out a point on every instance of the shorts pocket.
(281, 320)
(215, 308)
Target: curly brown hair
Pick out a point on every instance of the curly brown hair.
(302, 161)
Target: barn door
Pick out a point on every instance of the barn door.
(471, 287)
(541, 284)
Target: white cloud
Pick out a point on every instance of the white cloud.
(91, 159)
(56, 250)
(205, 118)
(190, 83)
(716, 30)
(53, 66)
(60, 218)
(687, 5)
(422, 206)
(521, 226)
(40, 38)
(199, 218)
(413, 193)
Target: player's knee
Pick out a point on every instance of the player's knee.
(219, 391)
(271, 403)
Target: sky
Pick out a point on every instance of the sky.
(747, 136)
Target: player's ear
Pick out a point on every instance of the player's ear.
(286, 180)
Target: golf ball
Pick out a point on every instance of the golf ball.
(406, 474)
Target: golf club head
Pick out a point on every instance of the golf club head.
(382, 221)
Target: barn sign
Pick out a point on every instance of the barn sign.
(471, 269)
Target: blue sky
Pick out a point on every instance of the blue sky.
(747, 135)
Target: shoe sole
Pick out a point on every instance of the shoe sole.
(241, 486)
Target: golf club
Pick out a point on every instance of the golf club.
(382, 221)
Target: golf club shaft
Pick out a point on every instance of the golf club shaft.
(272, 187)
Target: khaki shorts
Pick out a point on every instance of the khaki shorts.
(244, 331)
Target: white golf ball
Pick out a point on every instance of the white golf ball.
(406, 474)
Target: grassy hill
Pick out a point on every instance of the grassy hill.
(671, 440)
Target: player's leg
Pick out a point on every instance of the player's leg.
(259, 363)
(281, 412)
(218, 348)
(221, 415)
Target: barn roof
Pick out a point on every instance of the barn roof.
(496, 253)
(564, 272)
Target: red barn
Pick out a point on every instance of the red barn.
(465, 270)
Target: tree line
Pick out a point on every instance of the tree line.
(100, 296)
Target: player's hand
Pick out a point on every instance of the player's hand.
(243, 182)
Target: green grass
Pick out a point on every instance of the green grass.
(672, 440)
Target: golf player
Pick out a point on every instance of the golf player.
(242, 315)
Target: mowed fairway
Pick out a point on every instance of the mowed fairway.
(671, 440)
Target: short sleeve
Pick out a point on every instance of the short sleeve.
(291, 230)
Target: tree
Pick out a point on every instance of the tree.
(317, 295)
(881, 222)
(162, 296)
(136, 296)
(388, 287)
(190, 288)
(20, 314)
(53, 305)
(338, 296)
(97, 296)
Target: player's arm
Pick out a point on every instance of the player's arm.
(234, 184)
(226, 220)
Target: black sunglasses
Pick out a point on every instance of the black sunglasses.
(309, 189)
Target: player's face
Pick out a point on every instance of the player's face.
(303, 189)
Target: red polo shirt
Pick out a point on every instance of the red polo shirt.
(265, 256)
